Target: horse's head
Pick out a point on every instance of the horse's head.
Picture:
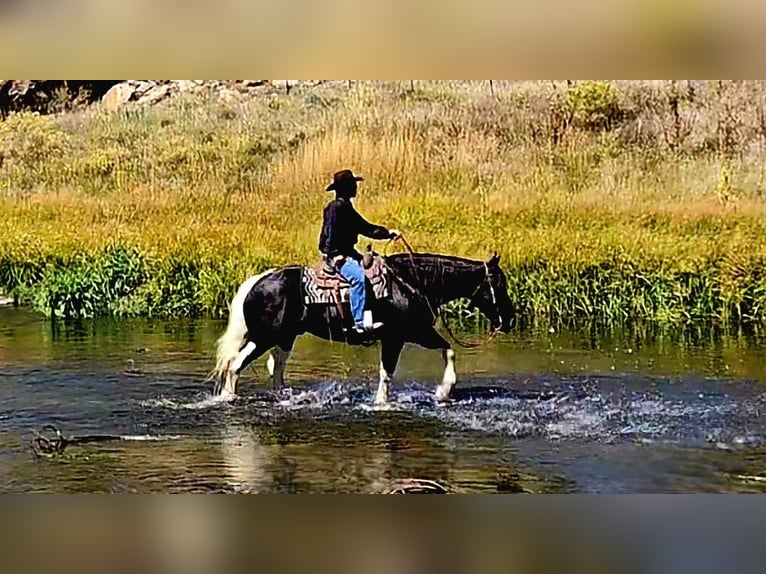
(491, 297)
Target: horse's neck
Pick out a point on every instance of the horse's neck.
(447, 279)
(462, 281)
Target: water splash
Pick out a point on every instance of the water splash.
(572, 411)
(206, 402)
(610, 416)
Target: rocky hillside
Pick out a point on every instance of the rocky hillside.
(51, 96)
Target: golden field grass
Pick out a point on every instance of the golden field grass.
(639, 201)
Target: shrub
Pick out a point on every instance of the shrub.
(32, 146)
(594, 105)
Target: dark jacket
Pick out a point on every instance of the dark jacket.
(342, 227)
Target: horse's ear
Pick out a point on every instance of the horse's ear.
(495, 259)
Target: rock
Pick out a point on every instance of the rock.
(189, 85)
(118, 96)
(229, 95)
(43, 95)
(286, 85)
(417, 486)
(19, 88)
(143, 92)
(155, 95)
(142, 87)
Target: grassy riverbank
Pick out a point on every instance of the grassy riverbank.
(639, 201)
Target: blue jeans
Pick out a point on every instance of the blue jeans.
(352, 271)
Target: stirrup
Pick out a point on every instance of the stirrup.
(368, 328)
(363, 337)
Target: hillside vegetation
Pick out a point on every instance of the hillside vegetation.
(608, 202)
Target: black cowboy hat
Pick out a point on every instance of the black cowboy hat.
(342, 178)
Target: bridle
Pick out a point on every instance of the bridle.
(488, 279)
(472, 344)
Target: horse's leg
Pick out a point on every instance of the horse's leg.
(433, 340)
(247, 355)
(390, 349)
(277, 361)
(450, 376)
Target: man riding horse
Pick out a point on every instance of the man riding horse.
(341, 227)
(271, 310)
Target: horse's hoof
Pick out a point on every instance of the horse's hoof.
(225, 396)
(441, 397)
(442, 401)
(381, 406)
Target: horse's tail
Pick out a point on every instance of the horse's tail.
(230, 343)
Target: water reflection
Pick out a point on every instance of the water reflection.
(246, 461)
(534, 412)
(25, 338)
(337, 454)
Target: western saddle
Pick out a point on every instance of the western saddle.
(324, 285)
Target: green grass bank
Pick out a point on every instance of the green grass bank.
(608, 202)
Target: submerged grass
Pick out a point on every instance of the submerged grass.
(607, 202)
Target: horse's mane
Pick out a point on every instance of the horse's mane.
(430, 269)
(430, 258)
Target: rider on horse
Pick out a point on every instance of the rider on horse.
(341, 228)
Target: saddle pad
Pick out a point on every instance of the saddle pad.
(319, 288)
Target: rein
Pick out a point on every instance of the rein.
(471, 344)
(55, 444)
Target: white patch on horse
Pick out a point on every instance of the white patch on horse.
(242, 357)
(450, 376)
(381, 397)
(229, 344)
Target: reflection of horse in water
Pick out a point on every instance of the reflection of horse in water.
(405, 292)
(276, 460)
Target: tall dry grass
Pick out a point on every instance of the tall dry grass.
(610, 202)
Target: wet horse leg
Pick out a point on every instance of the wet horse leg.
(249, 353)
(390, 349)
(450, 376)
(433, 340)
(277, 361)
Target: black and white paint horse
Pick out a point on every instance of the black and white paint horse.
(269, 312)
